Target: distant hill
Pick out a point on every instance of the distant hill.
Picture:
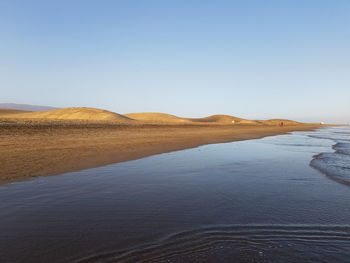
(10, 111)
(25, 107)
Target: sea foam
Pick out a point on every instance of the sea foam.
(336, 164)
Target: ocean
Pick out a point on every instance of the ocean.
(334, 163)
(281, 199)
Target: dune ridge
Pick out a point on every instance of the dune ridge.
(160, 118)
(218, 118)
(98, 115)
(74, 113)
(156, 117)
(70, 139)
(279, 121)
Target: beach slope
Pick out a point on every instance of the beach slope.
(64, 140)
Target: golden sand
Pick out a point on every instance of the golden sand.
(77, 113)
(64, 140)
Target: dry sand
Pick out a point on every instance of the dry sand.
(65, 140)
(77, 113)
(157, 118)
(219, 119)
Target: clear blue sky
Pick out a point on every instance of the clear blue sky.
(253, 59)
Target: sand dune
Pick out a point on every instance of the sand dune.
(154, 117)
(222, 119)
(244, 121)
(279, 121)
(98, 115)
(78, 113)
(69, 139)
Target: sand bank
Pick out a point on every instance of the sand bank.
(29, 150)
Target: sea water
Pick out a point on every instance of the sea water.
(335, 164)
(248, 201)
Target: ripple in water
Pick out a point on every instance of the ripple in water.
(243, 243)
(249, 201)
(336, 165)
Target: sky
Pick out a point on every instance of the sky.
(192, 58)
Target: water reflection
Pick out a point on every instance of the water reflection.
(212, 204)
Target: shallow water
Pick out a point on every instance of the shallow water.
(335, 164)
(250, 201)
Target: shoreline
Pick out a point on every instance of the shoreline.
(42, 150)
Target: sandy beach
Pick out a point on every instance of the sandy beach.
(38, 149)
(174, 131)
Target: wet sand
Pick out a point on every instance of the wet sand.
(30, 150)
(246, 201)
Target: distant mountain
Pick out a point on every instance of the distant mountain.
(26, 107)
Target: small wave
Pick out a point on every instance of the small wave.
(336, 134)
(342, 132)
(332, 137)
(343, 148)
(258, 239)
(335, 165)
